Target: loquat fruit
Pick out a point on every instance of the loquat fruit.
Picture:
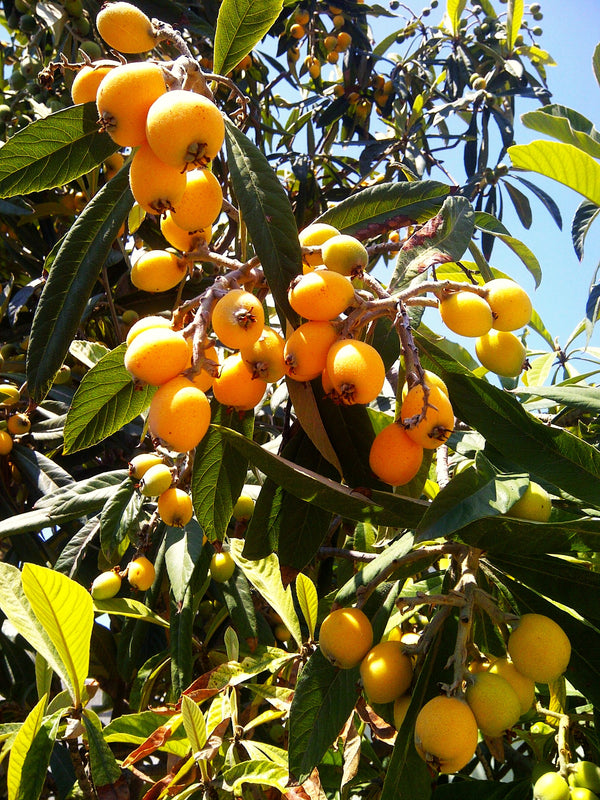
(431, 379)
(175, 507)
(125, 28)
(179, 414)
(106, 585)
(204, 378)
(539, 648)
(158, 271)
(222, 567)
(345, 637)
(386, 672)
(494, 703)
(238, 319)
(344, 254)
(156, 355)
(534, 504)
(264, 357)
(201, 202)
(510, 304)
(243, 508)
(501, 352)
(156, 480)
(144, 324)
(18, 424)
(523, 686)
(437, 423)
(394, 457)
(84, 88)
(305, 351)
(180, 239)
(321, 294)
(155, 185)
(313, 236)
(356, 371)
(9, 394)
(401, 705)
(235, 387)
(551, 786)
(446, 733)
(141, 573)
(466, 313)
(140, 464)
(6, 443)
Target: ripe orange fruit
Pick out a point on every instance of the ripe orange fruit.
(510, 304)
(6, 443)
(185, 129)
(124, 98)
(156, 355)
(85, 84)
(158, 271)
(264, 358)
(431, 379)
(125, 27)
(141, 573)
(305, 351)
(494, 703)
(438, 421)
(466, 313)
(523, 686)
(18, 424)
(344, 40)
(401, 705)
(356, 371)
(346, 637)
(394, 457)
(446, 733)
(201, 202)
(321, 294)
(9, 394)
(180, 239)
(345, 254)
(205, 377)
(235, 387)
(297, 31)
(539, 648)
(501, 352)
(386, 672)
(238, 319)
(175, 507)
(155, 185)
(179, 414)
(144, 323)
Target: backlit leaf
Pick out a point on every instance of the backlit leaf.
(514, 18)
(306, 592)
(65, 609)
(454, 9)
(193, 722)
(585, 398)
(37, 759)
(261, 773)
(566, 126)
(241, 25)
(489, 224)
(53, 151)
(20, 748)
(128, 607)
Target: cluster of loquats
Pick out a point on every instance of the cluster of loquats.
(492, 697)
(490, 313)
(13, 424)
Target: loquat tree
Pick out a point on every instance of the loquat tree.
(290, 505)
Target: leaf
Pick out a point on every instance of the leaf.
(386, 206)
(521, 204)
(116, 519)
(444, 238)
(261, 773)
(127, 607)
(324, 699)
(183, 552)
(564, 163)
(219, 471)
(454, 9)
(237, 596)
(19, 612)
(37, 759)
(65, 609)
(41, 471)
(53, 151)
(89, 353)
(105, 401)
(193, 722)
(483, 790)
(592, 308)
(20, 748)
(265, 576)
(241, 25)
(268, 215)
(544, 198)
(89, 492)
(103, 765)
(566, 125)
(489, 224)
(306, 592)
(138, 728)
(328, 494)
(582, 219)
(584, 398)
(72, 277)
(514, 17)
(540, 449)
(596, 63)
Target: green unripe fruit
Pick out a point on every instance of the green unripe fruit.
(5, 113)
(63, 375)
(344, 254)
(243, 508)
(580, 793)
(156, 480)
(106, 585)
(585, 774)
(222, 567)
(140, 464)
(129, 316)
(28, 23)
(17, 80)
(92, 49)
(74, 8)
(551, 786)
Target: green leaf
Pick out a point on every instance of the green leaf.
(564, 163)
(489, 224)
(566, 125)
(20, 748)
(454, 9)
(66, 611)
(328, 494)
(268, 215)
(261, 773)
(103, 764)
(237, 596)
(387, 205)
(37, 760)
(219, 471)
(72, 277)
(540, 449)
(117, 516)
(88, 353)
(324, 699)
(84, 496)
(127, 607)
(584, 398)
(596, 63)
(514, 17)
(521, 204)
(19, 612)
(241, 25)
(53, 151)
(501, 535)
(265, 576)
(483, 790)
(137, 728)
(105, 401)
(472, 494)
(41, 471)
(582, 219)
(306, 592)
(182, 555)
(193, 722)
(444, 238)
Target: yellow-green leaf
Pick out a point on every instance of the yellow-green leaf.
(21, 746)
(514, 18)
(309, 601)
(126, 607)
(454, 9)
(263, 773)
(561, 162)
(193, 722)
(66, 611)
(265, 576)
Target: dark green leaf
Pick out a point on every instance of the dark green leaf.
(483, 790)
(237, 596)
(41, 471)
(183, 552)
(219, 471)
(241, 25)
(585, 398)
(543, 450)
(75, 550)
(118, 517)
(544, 198)
(105, 401)
(328, 494)
(268, 216)
(104, 768)
(490, 225)
(54, 151)
(387, 206)
(103, 485)
(384, 561)
(596, 62)
(180, 642)
(521, 204)
(444, 238)
(323, 701)
(502, 535)
(71, 280)
(584, 216)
